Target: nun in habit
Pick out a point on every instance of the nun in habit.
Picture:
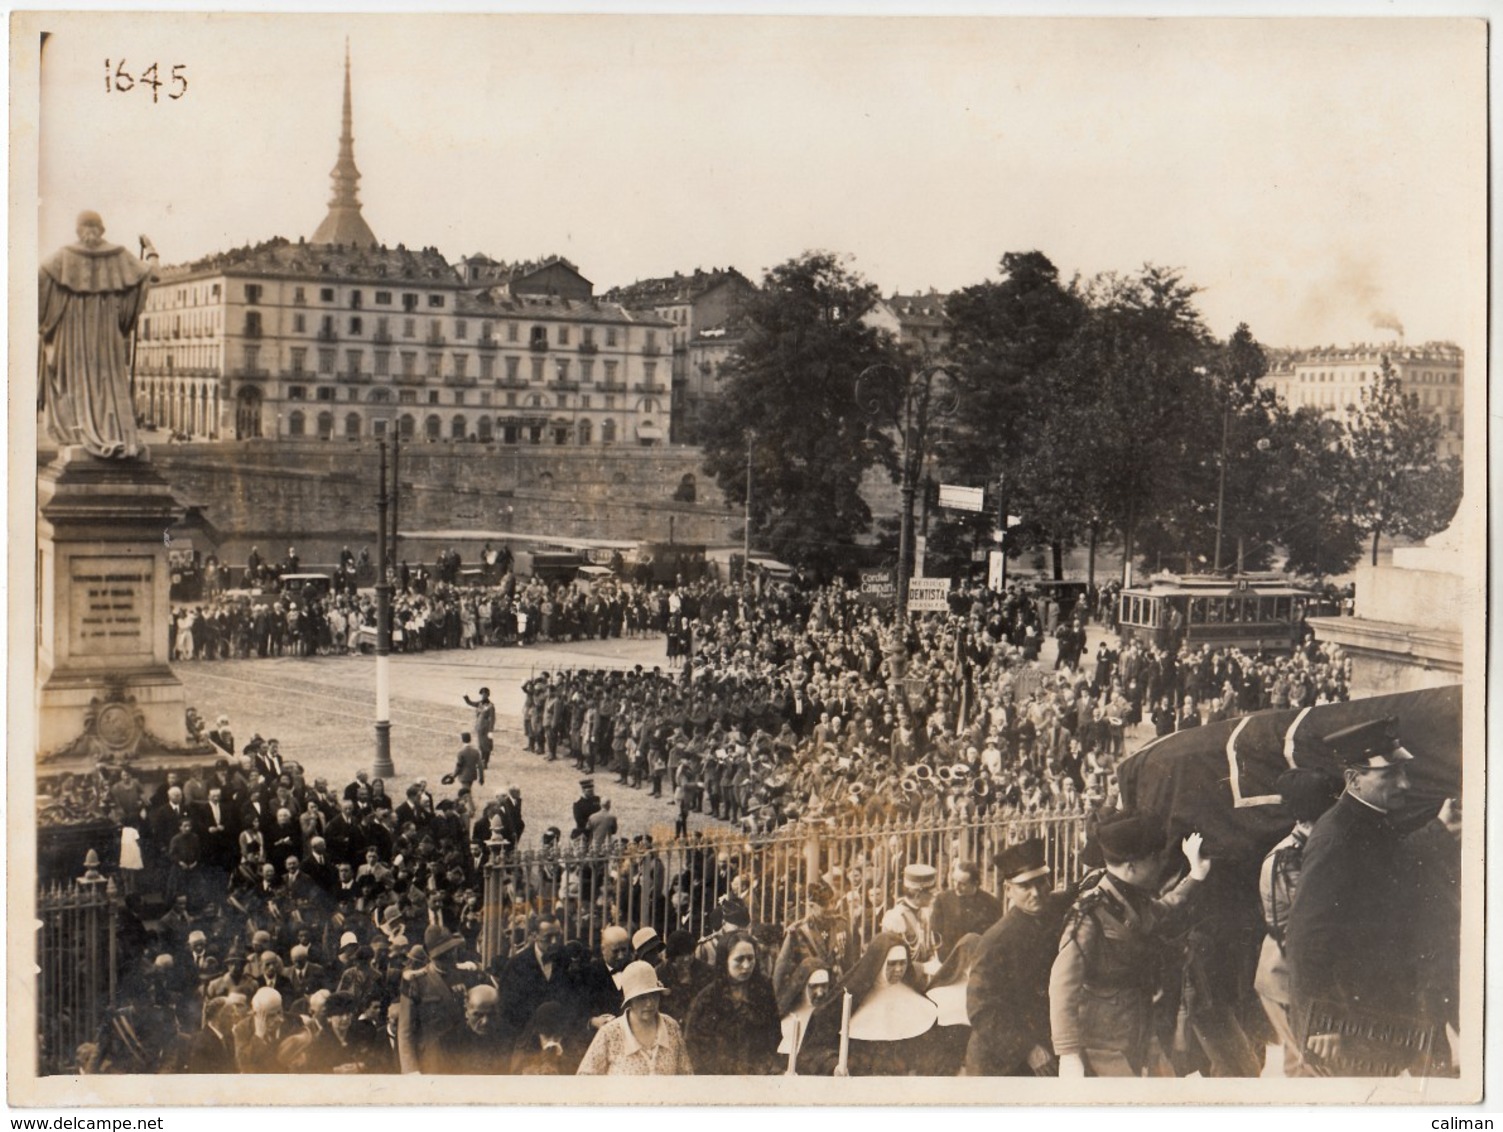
(892, 1023)
(809, 987)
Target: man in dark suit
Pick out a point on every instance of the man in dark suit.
(536, 976)
(509, 806)
(343, 835)
(212, 1049)
(319, 867)
(1352, 939)
(216, 830)
(1007, 997)
(586, 805)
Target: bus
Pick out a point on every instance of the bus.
(1251, 612)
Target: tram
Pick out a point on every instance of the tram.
(1251, 612)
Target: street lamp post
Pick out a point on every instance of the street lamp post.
(751, 437)
(382, 766)
(913, 405)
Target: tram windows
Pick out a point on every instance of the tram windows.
(1197, 611)
(1281, 609)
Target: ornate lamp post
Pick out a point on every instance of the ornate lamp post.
(909, 401)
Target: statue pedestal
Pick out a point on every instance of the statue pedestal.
(105, 689)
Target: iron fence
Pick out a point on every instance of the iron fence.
(678, 884)
(76, 960)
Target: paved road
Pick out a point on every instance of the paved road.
(322, 710)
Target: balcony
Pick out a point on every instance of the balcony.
(435, 340)
(355, 377)
(538, 344)
(612, 387)
(649, 387)
(652, 350)
(512, 383)
(588, 348)
(328, 334)
(251, 330)
(564, 386)
(383, 337)
(461, 380)
(251, 373)
(411, 378)
(488, 342)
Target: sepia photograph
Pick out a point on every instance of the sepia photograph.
(752, 550)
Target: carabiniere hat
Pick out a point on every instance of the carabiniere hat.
(1373, 745)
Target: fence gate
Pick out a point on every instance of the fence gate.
(76, 955)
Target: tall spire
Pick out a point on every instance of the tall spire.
(344, 224)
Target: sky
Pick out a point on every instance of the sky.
(1315, 177)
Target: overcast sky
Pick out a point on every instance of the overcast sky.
(1308, 174)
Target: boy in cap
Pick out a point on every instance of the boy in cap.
(1353, 941)
(1104, 978)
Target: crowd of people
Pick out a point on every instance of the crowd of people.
(797, 705)
(338, 930)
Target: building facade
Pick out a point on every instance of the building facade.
(341, 338)
(1331, 381)
(702, 310)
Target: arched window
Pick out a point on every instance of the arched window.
(608, 432)
(297, 424)
(352, 426)
(584, 432)
(457, 428)
(325, 426)
(433, 428)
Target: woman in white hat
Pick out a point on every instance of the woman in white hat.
(642, 1042)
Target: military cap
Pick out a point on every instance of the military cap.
(1373, 745)
(1129, 837)
(920, 876)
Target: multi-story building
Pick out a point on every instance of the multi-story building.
(916, 321)
(1331, 380)
(703, 309)
(341, 337)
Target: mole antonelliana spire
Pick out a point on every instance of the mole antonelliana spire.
(344, 224)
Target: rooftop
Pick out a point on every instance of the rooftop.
(675, 288)
(280, 256)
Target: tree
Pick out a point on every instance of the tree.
(1396, 481)
(1002, 336)
(1115, 432)
(789, 401)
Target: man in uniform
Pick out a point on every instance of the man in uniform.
(432, 1007)
(586, 805)
(1352, 941)
(485, 723)
(1107, 972)
(823, 935)
(1007, 997)
(910, 917)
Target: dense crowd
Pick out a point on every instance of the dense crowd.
(338, 930)
(801, 706)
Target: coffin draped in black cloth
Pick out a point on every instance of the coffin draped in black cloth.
(1219, 779)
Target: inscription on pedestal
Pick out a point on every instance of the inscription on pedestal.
(112, 605)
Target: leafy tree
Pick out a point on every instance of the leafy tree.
(1111, 440)
(789, 398)
(1002, 336)
(1396, 482)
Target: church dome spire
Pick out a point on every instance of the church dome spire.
(344, 224)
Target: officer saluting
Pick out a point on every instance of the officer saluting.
(1352, 945)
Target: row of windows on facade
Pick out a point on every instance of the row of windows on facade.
(408, 360)
(254, 328)
(410, 397)
(433, 429)
(410, 299)
(1336, 398)
(1425, 377)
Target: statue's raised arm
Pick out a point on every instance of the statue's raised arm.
(90, 295)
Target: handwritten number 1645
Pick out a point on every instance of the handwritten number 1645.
(118, 79)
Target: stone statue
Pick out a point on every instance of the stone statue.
(91, 294)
